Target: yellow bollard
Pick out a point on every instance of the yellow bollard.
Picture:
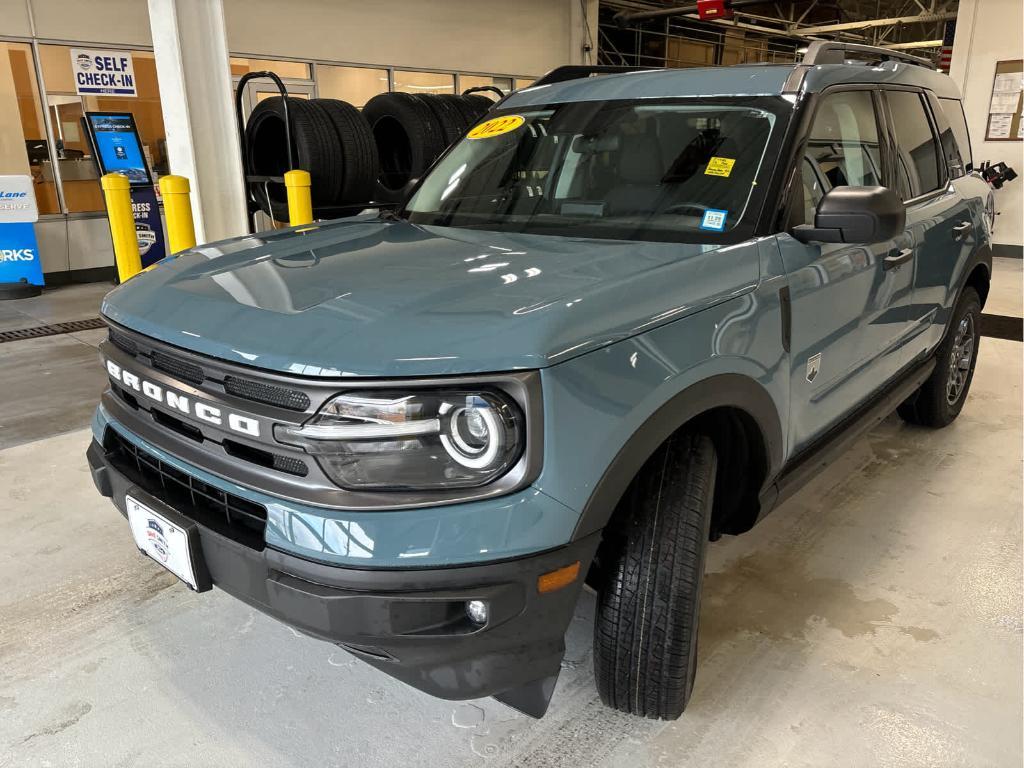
(181, 232)
(300, 200)
(122, 225)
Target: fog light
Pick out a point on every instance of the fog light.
(477, 611)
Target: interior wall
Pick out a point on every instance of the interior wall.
(988, 31)
(523, 37)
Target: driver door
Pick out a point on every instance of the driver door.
(849, 305)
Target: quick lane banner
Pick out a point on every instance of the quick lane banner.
(19, 254)
(148, 228)
(19, 251)
(105, 73)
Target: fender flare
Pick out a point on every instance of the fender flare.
(723, 390)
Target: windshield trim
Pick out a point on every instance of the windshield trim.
(746, 228)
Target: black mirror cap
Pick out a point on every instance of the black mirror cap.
(857, 215)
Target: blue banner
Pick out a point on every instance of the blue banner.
(148, 227)
(19, 254)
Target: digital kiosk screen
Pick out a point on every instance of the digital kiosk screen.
(117, 145)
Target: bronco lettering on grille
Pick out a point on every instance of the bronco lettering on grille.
(179, 402)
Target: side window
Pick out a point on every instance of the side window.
(842, 147)
(918, 170)
(953, 109)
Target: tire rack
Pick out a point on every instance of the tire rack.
(256, 183)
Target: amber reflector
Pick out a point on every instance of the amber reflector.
(563, 577)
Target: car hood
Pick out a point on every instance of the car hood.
(376, 297)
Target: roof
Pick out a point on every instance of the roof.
(741, 80)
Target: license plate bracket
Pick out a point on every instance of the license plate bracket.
(167, 537)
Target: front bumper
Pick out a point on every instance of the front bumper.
(409, 623)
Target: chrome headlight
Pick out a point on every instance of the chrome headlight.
(425, 439)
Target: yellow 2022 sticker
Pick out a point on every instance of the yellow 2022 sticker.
(496, 126)
(719, 166)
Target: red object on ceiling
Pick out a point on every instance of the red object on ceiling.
(713, 9)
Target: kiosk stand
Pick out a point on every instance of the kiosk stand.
(118, 149)
(21, 272)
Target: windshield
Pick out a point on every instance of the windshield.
(624, 170)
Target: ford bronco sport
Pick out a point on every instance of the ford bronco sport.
(624, 315)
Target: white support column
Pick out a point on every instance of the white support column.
(193, 70)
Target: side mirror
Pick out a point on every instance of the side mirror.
(855, 215)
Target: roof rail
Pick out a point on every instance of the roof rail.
(830, 52)
(577, 71)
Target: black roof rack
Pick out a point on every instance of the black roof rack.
(577, 71)
(829, 52)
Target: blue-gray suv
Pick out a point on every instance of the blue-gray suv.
(621, 317)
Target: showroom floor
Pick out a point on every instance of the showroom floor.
(875, 619)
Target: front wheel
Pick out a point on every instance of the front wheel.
(652, 565)
(941, 398)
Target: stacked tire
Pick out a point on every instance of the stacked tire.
(330, 140)
(353, 158)
(411, 130)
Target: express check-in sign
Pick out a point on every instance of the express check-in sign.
(105, 73)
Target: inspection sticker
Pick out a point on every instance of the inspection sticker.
(714, 220)
(720, 166)
(496, 126)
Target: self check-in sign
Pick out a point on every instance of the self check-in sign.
(108, 73)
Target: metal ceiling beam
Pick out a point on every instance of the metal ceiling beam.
(868, 23)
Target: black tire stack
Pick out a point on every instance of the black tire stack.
(411, 131)
(354, 158)
(330, 140)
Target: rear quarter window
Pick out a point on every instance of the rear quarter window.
(953, 109)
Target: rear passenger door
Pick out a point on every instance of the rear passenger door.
(940, 228)
(849, 303)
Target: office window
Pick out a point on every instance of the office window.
(524, 82)
(23, 145)
(424, 82)
(356, 85)
(79, 177)
(504, 84)
(917, 171)
(289, 70)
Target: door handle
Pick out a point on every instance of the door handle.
(960, 230)
(896, 259)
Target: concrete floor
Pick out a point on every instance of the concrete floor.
(874, 620)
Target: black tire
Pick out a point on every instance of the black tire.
(314, 145)
(651, 566)
(359, 161)
(449, 119)
(407, 137)
(935, 404)
(467, 114)
(479, 104)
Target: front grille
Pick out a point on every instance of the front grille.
(122, 342)
(193, 374)
(282, 397)
(227, 514)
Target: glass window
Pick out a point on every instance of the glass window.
(813, 191)
(843, 145)
(356, 85)
(917, 171)
(504, 84)
(954, 112)
(23, 145)
(79, 177)
(620, 170)
(524, 82)
(424, 82)
(293, 70)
